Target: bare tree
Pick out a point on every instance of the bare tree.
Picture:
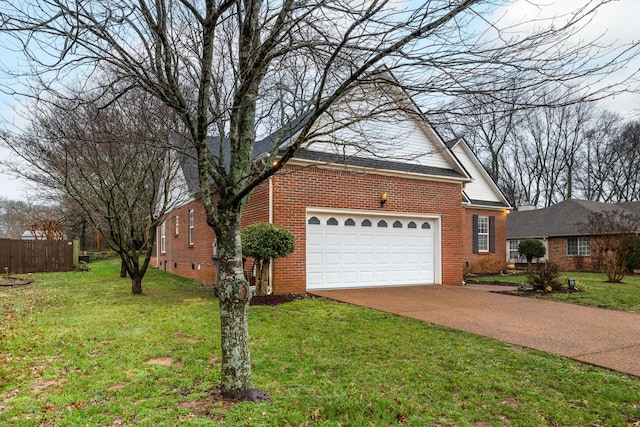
(112, 161)
(613, 236)
(235, 69)
(598, 164)
(554, 137)
(624, 151)
(13, 218)
(487, 125)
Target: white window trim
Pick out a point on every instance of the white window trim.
(486, 234)
(583, 244)
(191, 226)
(519, 258)
(177, 225)
(163, 237)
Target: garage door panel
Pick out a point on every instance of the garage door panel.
(367, 240)
(350, 239)
(332, 259)
(332, 240)
(399, 258)
(382, 241)
(367, 258)
(349, 255)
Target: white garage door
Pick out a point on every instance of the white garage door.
(350, 251)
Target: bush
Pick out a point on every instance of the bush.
(486, 265)
(531, 248)
(634, 259)
(82, 266)
(543, 276)
(263, 242)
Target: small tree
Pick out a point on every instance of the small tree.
(613, 238)
(544, 277)
(263, 242)
(531, 248)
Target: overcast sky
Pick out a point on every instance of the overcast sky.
(617, 21)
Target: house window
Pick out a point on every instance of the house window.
(484, 238)
(483, 234)
(177, 225)
(191, 225)
(514, 254)
(163, 237)
(578, 246)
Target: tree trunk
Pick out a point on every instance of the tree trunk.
(136, 285)
(234, 295)
(123, 269)
(262, 277)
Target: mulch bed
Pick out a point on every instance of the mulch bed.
(536, 293)
(526, 293)
(273, 300)
(10, 281)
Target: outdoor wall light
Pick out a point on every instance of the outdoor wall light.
(383, 198)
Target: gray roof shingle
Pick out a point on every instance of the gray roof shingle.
(562, 219)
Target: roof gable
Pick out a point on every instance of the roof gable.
(482, 190)
(388, 127)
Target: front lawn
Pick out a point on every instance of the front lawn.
(596, 291)
(76, 349)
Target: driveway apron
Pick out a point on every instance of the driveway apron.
(606, 338)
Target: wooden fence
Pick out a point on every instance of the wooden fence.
(36, 256)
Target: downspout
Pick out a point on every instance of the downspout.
(270, 200)
(271, 222)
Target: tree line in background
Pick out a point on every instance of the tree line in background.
(545, 155)
(61, 220)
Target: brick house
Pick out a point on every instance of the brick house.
(560, 229)
(362, 220)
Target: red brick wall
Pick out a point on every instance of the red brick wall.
(325, 188)
(558, 255)
(195, 261)
(181, 258)
(500, 230)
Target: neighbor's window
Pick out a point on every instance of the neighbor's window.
(163, 237)
(177, 224)
(483, 234)
(578, 246)
(191, 221)
(514, 254)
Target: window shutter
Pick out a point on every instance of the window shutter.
(492, 234)
(475, 234)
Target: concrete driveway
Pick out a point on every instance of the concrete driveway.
(606, 338)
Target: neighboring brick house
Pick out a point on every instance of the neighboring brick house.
(362, 220)
(560, 228)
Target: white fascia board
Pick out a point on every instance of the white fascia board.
(482, 171)
(386, 172)
(395, 214)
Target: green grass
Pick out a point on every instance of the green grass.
(75, 346)
(596, 291)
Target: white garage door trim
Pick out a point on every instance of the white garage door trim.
(390, 249)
